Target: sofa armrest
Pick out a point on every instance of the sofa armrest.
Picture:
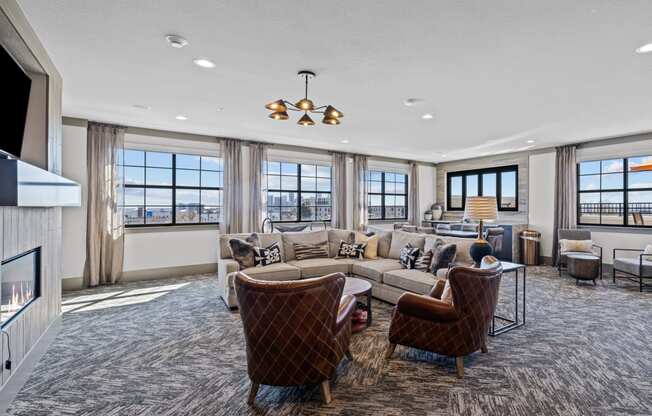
(344, 312)
(226, 266)
(426, 307)
(437, 289)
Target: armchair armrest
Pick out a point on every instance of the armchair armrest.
(594, 246)
(624, 249)
(346, 308)
(226, 266)
(437, 289)
(425, 307)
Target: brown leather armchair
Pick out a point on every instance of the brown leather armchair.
(454, 330)
(296, 331)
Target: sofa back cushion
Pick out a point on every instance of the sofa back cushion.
(312, 237)
(400, 239)
(384, 243)
(335, 236)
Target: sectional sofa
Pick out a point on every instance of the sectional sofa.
(388, 279)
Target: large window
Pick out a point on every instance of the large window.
(169, 189)
(501, 183)
(298, 192)
(386, 195)
(615, 192)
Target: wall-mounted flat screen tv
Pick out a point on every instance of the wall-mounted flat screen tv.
(16, 85)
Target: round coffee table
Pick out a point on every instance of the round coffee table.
(583, 266)
(359, 287)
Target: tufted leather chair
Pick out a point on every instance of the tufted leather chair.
(296, 331)
(454, 330)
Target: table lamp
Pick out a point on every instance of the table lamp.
(480, 208)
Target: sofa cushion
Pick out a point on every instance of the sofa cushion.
(303, 251)
(275, 272)
(371, 248)
(413, 280)
(320, 267)
(384, 243)
(374, 269)
(400, 239)
(335, 236)
(312, 237)
(631, 265)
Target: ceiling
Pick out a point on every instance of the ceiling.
(495, 74)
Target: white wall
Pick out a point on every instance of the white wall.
(427, 187)
(153, 250)
(542, 198)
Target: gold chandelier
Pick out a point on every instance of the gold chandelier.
(280, 107)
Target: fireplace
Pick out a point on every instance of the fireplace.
(20, 283)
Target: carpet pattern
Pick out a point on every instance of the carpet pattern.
(170, 347)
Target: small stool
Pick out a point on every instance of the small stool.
(583, 267)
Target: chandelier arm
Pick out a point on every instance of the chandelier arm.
(320, 107)
(294, 109)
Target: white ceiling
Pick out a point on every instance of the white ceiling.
(494, 73)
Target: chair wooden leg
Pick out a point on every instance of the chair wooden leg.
(613, 274)
(325, 388)
(483, 348)
(252, 393)
(348, 354)
(390, 351)
(459, 364)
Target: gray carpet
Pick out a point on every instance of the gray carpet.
(170, 347)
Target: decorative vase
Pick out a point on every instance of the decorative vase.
(437, 211)
(427, 216)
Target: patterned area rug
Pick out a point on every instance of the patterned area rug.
(170, 347)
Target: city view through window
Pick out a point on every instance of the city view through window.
(386, 195)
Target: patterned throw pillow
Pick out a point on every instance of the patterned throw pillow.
(423, 261)
(351, 250)
(244, 251)
(443, 255)
(268, 255)
(304, 251)
(408, 256)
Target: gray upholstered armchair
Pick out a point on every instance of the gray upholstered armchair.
(635, 268)
(574, 234)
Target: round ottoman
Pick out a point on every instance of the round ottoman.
(583, 266)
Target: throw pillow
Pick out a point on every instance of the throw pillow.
(408, 256)
(244, 251)
(268, 255)
(303, 251)
(447, 293)
(351, 250)
(443, 255)
(371, 248)
(423, 261)
(581, 246)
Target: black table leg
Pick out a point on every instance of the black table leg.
(369, 308)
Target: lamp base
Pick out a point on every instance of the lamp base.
(479, 249)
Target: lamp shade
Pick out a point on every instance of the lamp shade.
(481, 208)
(278, 106)
(305, 121)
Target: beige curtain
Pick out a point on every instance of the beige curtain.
(565, 193)
(257, 157)
(359, 192)
(104, 216)
(232, 205)
(413, 204)
(338, 201)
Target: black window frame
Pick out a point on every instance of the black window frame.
(625, 190)
(298, 191)
(383, 193)
(172, 187)
(479, 172)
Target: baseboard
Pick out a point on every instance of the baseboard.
(76, 283)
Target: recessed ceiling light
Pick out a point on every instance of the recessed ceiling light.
(427, 116)
(345, 141)
(531, 141)
(181, 117)
(443, 155)
(204, 63)
(142, 107)
(411, 102)
(218, 109)
(176, 41)
(647, 48)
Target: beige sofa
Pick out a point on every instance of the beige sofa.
(388, 279)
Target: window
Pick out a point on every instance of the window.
(386, 195)
(501, 182)
(615, 192)
(298, 192)
(169, 189)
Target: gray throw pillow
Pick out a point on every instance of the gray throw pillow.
(244, 251)
(442, 255)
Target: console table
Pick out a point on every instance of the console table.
(504, 324)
